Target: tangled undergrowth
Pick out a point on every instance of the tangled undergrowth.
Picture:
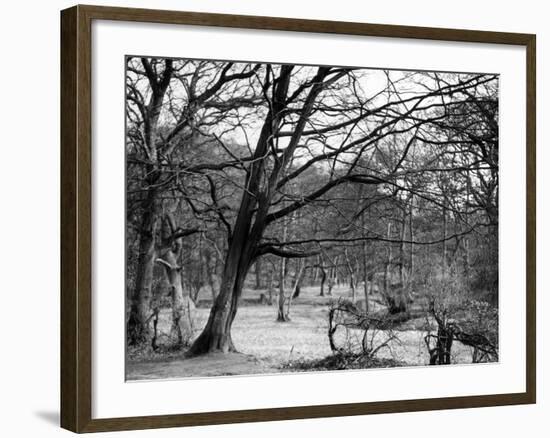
(341, 361)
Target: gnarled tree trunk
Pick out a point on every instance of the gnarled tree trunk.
(139, 323)
(139, 330)
(216, 335)
(182, 305)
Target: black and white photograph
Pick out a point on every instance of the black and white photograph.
(267, 219)
(286, 218)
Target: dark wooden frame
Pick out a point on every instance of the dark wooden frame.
(76, 243)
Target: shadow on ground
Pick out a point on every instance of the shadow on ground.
(50, 417)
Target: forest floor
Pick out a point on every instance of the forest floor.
(266, 346)
(209, 365)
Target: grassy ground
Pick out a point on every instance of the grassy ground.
(267, 346)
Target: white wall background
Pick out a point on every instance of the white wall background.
(29, 215)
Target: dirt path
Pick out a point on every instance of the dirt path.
(215, 364)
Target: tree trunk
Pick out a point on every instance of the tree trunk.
(404, 292)
(299, 277)
(182, 306)
(294, 293)
(323, 277)
(258, 272)
(402, 251)
(331, 280)
(365, 263)
(270, 289)
(315, 274)
(351, 273)
(211, 263)
(411, 255)
(444, 255)
(138, 328)
(366, 281)
(216, 335)
(156, 312)
(466, 239)
(281, 314)
(139, 331)
(387, 268)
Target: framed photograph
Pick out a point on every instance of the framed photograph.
(270, 218)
